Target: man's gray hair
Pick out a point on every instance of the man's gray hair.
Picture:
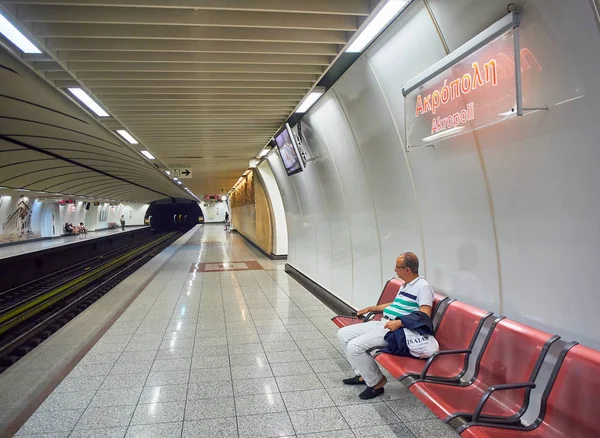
(411, 261)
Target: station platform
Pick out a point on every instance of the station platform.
(209, 339)
(21, 248)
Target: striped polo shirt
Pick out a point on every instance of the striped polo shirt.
(411, 296)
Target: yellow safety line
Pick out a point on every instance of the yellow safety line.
(57, 294)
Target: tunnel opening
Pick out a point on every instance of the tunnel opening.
(173, 214)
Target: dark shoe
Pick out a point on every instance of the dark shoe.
(354, 381)
(370, 393)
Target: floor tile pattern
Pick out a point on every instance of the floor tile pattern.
(225, 350)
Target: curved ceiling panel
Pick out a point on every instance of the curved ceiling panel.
(202, 82)
(49, 144)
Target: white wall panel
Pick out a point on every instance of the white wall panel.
(504, 218)
(317, 237)
(457, 221)
(306, 243)
(329, 118)
(544, 177)
(280, 235)
(461, 20)
(341, 263)
(388, 179)
(293, 214)
(410, 46)
(213, 212)
(460, 249)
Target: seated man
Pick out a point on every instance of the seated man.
(358, 339)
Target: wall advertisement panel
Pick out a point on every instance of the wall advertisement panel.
(17, 223)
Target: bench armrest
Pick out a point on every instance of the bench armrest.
(440, 353)
(492, 389)
(369, 316)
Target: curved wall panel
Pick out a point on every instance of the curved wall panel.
(504, 218)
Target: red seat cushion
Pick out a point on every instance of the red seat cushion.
(572, 406)
(455, 332)
(343, 321)
(509, 357)
(542, 431)
(387, 296)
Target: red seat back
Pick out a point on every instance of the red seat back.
(510, 357)
(572, 406)
(455, 332)
(458, 326)
(436, 300)
(390, 291)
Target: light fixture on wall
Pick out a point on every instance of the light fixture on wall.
(16, 37)
(376, 24)
(127, 136)
(263, 153)
(87, 100)
(148, 155)
(310, 99)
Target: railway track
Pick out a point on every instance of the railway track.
(32, 312)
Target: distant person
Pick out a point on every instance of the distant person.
(358, 339)
(123, 222)
(82, 228)
(226, 220)
(68, 228)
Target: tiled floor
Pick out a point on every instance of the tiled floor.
(246, 353)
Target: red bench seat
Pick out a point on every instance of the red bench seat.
(389, 292)
(457, 329)
(570, 408)
(512, 355)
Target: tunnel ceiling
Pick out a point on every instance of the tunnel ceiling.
(49, 145)
(200, 82)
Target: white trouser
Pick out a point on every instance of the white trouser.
(357, 340)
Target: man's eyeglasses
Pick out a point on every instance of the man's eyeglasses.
(400, 267)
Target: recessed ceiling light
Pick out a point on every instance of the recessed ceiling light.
(310, 100)
(127, 136)
(264, 152)
(16, 37)
(381, 19)
(147, 155)
(88, 101)
(168, 172)
(179, 182)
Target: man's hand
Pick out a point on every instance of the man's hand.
(393, 325)
(364, 311)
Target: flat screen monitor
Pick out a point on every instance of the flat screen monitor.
(288, 150)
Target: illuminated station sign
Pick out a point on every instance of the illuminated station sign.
(477, 85)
